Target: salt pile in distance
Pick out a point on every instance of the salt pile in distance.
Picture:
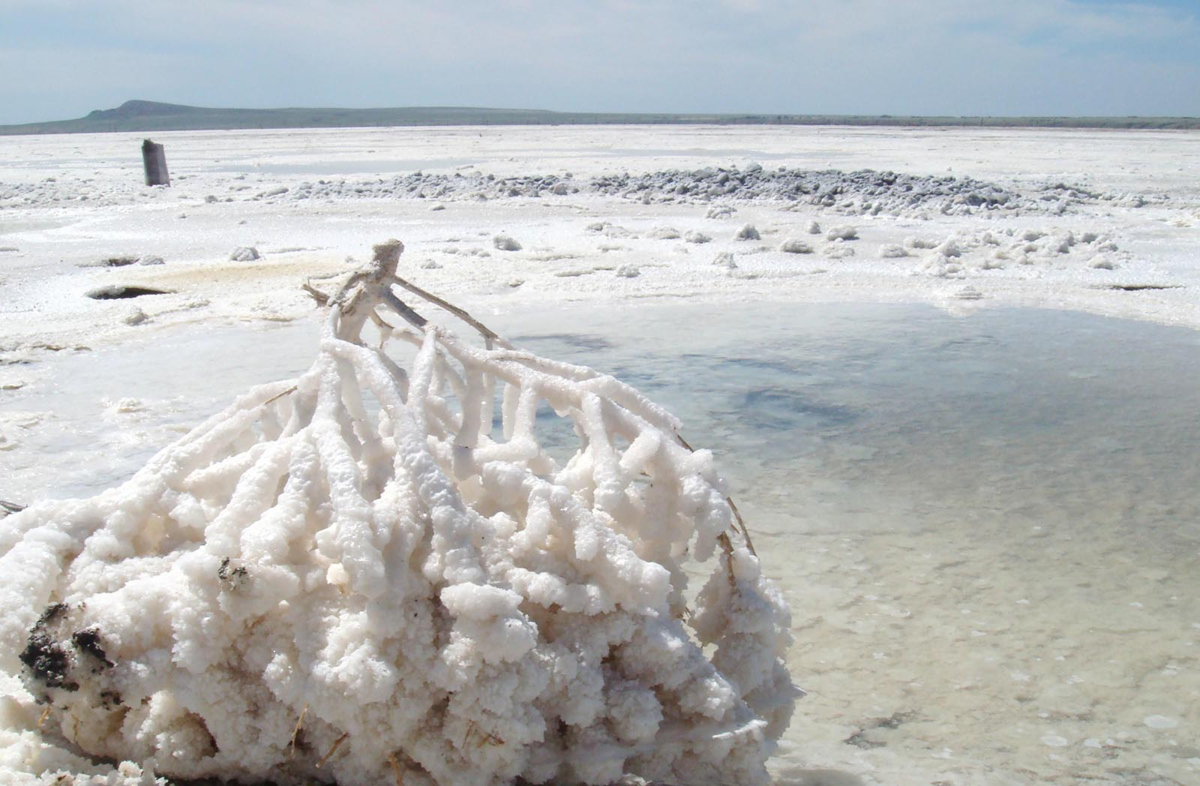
(357, 575)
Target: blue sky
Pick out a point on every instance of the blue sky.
(63, 58)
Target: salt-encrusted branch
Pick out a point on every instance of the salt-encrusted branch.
(379, 569)
(382, 270)
(489, 336)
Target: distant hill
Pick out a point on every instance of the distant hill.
(143, 116)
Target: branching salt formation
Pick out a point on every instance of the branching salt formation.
(365, 575)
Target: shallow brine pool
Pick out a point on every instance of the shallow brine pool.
(988, 527)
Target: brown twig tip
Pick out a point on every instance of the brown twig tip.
(272, 400)
(332, 750)
(296, 731)
(396, 771)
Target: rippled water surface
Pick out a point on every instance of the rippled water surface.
(988, 526)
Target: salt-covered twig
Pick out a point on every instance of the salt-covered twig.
(489, 336)
(316, 294)
(389, 551)
(733, 508)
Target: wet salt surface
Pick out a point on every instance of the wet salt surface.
(988, 527)
(370, 166)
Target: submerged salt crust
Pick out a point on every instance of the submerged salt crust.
(919, 483)
(358, 574)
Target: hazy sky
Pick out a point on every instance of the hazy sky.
(63, 58)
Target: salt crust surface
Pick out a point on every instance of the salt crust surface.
(359, 561)
(1113, 217)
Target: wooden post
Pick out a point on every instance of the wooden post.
(154, 159)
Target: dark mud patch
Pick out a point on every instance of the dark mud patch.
(88, 642)
(1142, 287)
(122, 292)
(232, 577)
(45, 657)
(872, 733)
(121, 261)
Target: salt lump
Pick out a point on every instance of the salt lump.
(244, 254)
(358, 575)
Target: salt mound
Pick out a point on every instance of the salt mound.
(244, 254)
(747, 232)
(794, 246)
(725, 259)
(359, 575)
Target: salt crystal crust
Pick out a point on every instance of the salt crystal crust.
(365, 575)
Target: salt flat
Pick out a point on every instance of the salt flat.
(1099, 222)
(1090, 211)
